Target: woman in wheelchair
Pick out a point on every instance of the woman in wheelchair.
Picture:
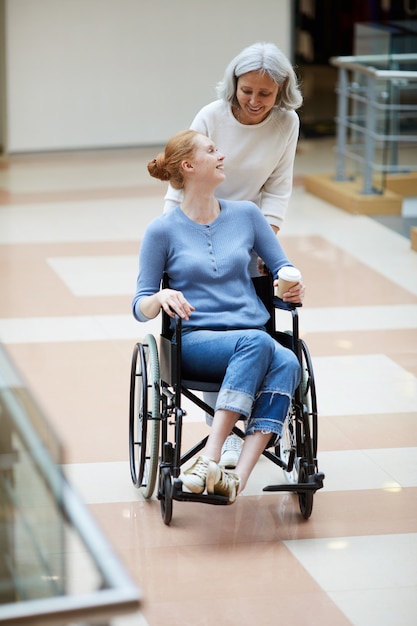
(205, 245)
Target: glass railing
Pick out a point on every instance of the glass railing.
(376, 118)
(56, 567)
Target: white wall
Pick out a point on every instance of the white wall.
(103, 73)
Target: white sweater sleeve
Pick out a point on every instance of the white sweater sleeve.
(173, 198)
(276, 191)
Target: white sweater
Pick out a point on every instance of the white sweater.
(259, 158)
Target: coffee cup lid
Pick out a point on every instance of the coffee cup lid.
(289, 273)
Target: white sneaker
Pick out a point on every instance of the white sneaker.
(194, 478)
(230, 452)
(222, 483)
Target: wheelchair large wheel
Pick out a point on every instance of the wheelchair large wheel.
(308, 392)
(294, 439)
(144, 416)
(307, 431)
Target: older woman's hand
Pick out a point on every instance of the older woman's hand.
(174, 302)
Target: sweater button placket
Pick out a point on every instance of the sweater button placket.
(210, 247)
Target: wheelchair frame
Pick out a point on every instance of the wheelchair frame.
(156, 389)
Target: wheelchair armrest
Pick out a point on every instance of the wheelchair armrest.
(170, 350)
(285, 306)
(178, 323)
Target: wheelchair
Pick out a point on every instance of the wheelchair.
(156, 416)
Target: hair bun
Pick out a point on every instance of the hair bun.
(157, 168)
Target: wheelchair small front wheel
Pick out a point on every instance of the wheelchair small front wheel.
(144, 416)
(305, 498)
(165, 494)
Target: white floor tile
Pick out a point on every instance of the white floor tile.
(19, 330)
(347, 470)
(336, 319)
(384, 607)
(369, 578)
(83, 172)
(49, 329)
(102, 482)
(353, 385)
(126, 327)
(350, 470)
(99, 220)
(110, 482)
(400, 463)
(97, 275)
(75, 328)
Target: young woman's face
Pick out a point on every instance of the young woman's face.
(207, 160)
(256, 93)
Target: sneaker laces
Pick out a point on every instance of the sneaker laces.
(233, 442)
(230, 479)
(227, 479)
(200, 467)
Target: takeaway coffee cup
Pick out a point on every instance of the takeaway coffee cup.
(287, 277)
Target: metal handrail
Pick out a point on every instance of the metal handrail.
(117, 594)
(365, 64)
(367, 136)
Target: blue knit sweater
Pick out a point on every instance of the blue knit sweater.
(209, 264)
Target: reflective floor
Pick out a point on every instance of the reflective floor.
(70, 231)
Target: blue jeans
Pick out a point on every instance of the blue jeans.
(259, 375)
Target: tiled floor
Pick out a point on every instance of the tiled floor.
(70, 230)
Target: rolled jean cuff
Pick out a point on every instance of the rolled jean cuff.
(237, 401)
(269, 412)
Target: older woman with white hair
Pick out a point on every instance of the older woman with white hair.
(255, 125)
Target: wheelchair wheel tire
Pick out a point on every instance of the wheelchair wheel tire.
(144, 416)
(308, 388)
(165, 495)
(305, 499)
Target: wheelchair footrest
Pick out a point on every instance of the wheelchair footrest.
(315, 483)
(186, 496)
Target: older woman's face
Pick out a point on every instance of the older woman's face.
(256, 93)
